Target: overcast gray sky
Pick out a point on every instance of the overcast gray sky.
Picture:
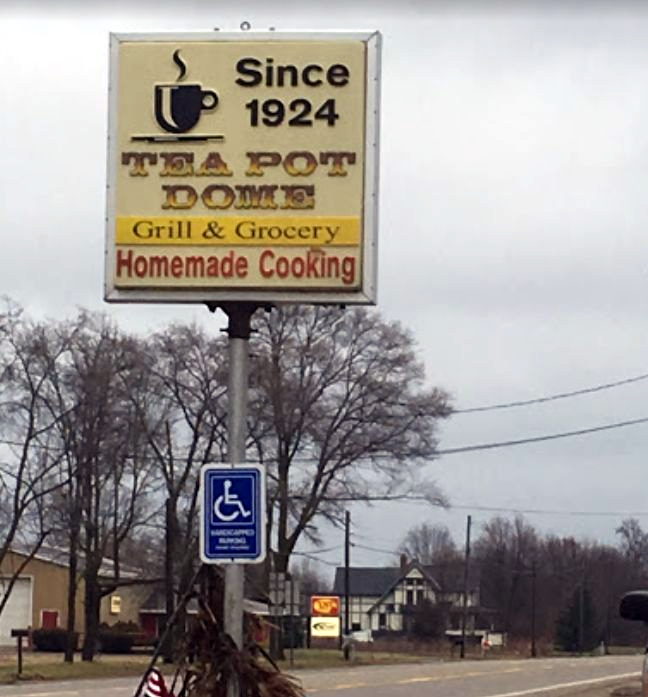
(513, 220)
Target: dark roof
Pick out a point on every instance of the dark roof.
(450, 575)
(367, 580)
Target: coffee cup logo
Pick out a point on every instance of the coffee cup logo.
(178, 106)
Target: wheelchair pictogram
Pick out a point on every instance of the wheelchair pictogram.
(228, 501)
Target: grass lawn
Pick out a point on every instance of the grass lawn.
(50, 666)
(305, 659)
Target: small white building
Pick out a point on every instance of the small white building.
(385, 599)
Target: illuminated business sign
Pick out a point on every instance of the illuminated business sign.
(243, 167)
(325, 605)
(325, 627)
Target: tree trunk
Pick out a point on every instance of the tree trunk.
(280, 563)
(70, 646)
(170, 547)
(91, 612)
(73, 581)
(282, 557)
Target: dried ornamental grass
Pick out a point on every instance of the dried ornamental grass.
(210, 659)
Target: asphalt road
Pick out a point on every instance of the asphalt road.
(552, 677)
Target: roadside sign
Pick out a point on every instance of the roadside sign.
(284, 592)
(325, 606)
(278, 588)
(325, 627)
(243, 167)
(232, 521)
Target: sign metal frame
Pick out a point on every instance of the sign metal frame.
(259, 509)
(366, 294)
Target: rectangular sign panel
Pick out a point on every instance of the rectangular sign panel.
(325, 627)
(232, 520)
(243, 167)
(325, 606)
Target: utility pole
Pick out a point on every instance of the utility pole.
(464, 613)
(533, 609)
(608, 608)
(581, 609)
(346, 646)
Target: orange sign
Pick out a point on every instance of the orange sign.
(325, 606)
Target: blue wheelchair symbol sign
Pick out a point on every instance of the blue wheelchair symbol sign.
(232, 514)
(228, 506)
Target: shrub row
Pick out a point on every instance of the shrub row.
(111, 639)
(52, 639)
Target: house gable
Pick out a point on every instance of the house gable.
(385, 598)
(411, 587)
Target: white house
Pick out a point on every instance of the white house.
(385, 599)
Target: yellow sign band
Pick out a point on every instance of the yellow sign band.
(257, 231)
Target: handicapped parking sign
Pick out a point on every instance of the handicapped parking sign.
(232, 521)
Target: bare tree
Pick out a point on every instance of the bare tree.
(339, 411)
(182, 411)
(311, 580)
(429, 544)
(507, 552)
(634, 544)
(29, 473)
(104, 456)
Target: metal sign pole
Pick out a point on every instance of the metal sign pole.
(238, 330)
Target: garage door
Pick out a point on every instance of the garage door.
(17, 612)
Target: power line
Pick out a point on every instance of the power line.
(319, 551)
(547, 511)
(517, 509)
(317, 559)
(538, 439)
(444, 451)
(370, 498)
(553, 397)
(376, 549)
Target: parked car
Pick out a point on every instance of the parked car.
(634, 606)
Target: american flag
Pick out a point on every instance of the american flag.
(155, 685)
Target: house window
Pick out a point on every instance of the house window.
(409, 598)
(382, 620)
(356, 627)
(390, 607)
